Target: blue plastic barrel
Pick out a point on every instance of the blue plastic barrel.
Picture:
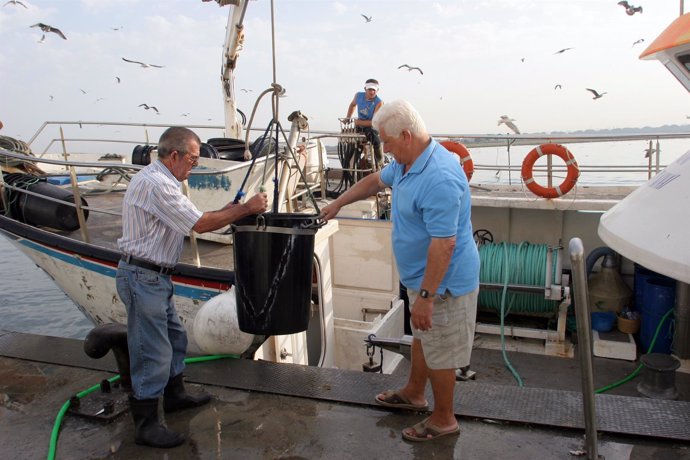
(658, 297)
(642, 274)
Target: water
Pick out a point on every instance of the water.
(31, 302)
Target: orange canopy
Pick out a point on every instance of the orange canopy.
(678, 33)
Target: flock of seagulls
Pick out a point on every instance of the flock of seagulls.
(504, 119)
(50, 29)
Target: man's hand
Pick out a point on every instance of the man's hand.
(257, 204)
(420, 315)
(329, 212)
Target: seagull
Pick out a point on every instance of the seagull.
(47, 28)
(116, 28)
(648, 152)
(118, 79)
(506, 120)
(596, 94)
(367, 18)
(629, 9)
(410, 68)
(143, 64)
(638, 41)
(184, 114)
(557, 87)
(83, 92)
(15, 2)
(562, 51)
(146, 106)
(245, 90)
(42, 40)
(51, 97)
(522, 59)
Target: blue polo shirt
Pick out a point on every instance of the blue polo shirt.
(432, 201)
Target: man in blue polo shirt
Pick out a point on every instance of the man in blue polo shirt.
(437, 259)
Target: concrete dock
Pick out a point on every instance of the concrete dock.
(256, 415)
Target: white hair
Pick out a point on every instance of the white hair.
(394, 117)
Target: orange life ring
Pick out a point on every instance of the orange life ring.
(550, 149)
(464, 154)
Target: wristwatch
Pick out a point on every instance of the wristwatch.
(424, 294)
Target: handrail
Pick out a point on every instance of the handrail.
(106, 165)
(584, 335)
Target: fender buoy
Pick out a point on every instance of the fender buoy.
(550, 149)
(464, 154)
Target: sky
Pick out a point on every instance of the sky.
(481, 59)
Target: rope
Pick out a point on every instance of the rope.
(523, 264)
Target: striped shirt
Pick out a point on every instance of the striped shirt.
(156, 216)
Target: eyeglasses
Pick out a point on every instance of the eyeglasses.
(193, 159)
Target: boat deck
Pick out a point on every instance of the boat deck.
(264, 410)
(104, 228)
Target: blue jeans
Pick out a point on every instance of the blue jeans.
(156, 339)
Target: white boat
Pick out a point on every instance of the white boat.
(356, 285)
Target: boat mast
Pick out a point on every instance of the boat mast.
(234, 40)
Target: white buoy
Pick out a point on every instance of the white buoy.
(216, 329)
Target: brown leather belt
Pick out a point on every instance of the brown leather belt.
(147, 265)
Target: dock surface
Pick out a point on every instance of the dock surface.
(263, 410)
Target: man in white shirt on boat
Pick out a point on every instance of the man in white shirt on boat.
(437, 259)
(156, 217)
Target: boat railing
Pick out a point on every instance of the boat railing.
(90, 153)
(637, 156)
(123, 169)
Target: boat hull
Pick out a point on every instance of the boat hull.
(86, 274)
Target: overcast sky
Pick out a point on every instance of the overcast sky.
(481, 59)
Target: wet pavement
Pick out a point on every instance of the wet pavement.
(252, 425)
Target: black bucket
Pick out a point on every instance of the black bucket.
(34, 210)
(274, 255)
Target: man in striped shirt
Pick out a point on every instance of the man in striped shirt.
(156, 217)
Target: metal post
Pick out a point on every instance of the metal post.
(5, 207)
(64, 148)
(584, 336)
(681, 336)
(75, 191)
(510, 172)
(658, 155)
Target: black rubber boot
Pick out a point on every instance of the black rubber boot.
(176, 397)
(148, 430)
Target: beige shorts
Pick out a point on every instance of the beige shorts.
(448, 344)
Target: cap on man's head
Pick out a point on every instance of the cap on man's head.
(372, 83)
